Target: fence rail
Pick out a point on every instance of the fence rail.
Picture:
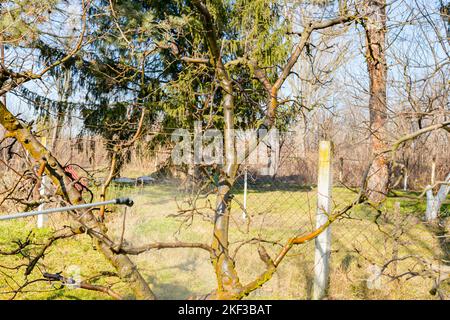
(118, 201)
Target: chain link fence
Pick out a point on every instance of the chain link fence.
(385, 252)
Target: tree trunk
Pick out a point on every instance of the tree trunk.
(376, 65)
(125, 267)
(57, 129)
(227, 277)
(64, 89)
(229, 286)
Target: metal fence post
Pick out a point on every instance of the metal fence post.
(42, 219)
(405, 180)
(323, 241)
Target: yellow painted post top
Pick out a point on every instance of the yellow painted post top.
(325, 149)
(324, 181)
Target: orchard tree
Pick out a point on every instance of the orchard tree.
(375, 28)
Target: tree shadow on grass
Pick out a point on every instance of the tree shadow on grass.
(169, 291)
(309, 281)
(63, 294)
(173, 289)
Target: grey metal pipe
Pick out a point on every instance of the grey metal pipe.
(121, 201)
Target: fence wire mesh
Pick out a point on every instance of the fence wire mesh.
(376, 253)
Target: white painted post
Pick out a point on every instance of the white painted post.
(323, 241)
(430, 213)
(244, 212)
(434, 202)
(341, 169)
(42, 218)
(405, 180)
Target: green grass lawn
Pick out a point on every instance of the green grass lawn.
(358, 242)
